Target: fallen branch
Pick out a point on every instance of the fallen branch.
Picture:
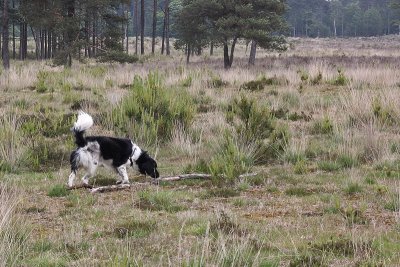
(184, 176)
(108, 188)
(80, 186)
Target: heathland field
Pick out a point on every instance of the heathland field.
(319, 124)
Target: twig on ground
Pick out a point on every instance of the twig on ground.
(108, 188)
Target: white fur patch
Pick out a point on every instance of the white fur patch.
(84, 122)
(136, 151)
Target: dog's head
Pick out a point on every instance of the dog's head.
(147, 165)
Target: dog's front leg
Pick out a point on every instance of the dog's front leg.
(121, 170)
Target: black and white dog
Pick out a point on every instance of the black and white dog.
(116, 153)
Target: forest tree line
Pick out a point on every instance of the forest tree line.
(65, 29)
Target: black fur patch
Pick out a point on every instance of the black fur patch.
(117, 149)
(147, 165)
(73, 159)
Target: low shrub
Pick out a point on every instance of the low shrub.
(340, 79)
(260, 83)
(323, 126)
(135, 228)
(161, 200)
(58, 191)
(152, 110)
(117, 56)
(250, 120)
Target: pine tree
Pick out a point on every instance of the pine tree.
(224, 22)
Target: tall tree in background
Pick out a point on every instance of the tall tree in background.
(153, 39)
(142, 15)
(227, 21)
(136, 23)
(167, 22)
(5, 50)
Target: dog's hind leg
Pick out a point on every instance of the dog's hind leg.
(74, 160)
(121, 170)
(90, 172)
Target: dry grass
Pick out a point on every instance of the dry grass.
(329, 198)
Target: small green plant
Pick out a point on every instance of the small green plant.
(324, 126)
(216, 82)
(300, 167)
(58, 191)
(41, 85)
(354, 216)
(255, 122)
(353, 188)
(384, 114)
(224, 192)
(260, 83)
(328, 166)
(317, 79)
(229, 162)
(393, 204)
(340, 79)
(187, 82)
(161, 200)
(334, 207)
(135, 228)
(298, 191)
(346, 161)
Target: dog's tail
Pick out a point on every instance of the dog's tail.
(84, 122)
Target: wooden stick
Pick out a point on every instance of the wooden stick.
(109, 188)
(80, 186)
(184, 176)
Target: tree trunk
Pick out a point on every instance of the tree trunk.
(334, 27)
(45, 43)
(188, 54)
(232, 51)
(87, 38)
(212, 48)
(226, 56)
(5, 51)
(49, 38)
(136, 22)
(37, 44)
(41, 44)
(253, 49)
(53, 44)
(153, 40)
(94, 32)
(70, 37)
(142, 27)
(167, 28)
(23, 41)
(163, 33)
(126, 29)
(13, 32)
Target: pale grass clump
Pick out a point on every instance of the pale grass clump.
(376, 78)
(357, 106)
(12, 146)
(296, 148)
(184, 141)
(20, 76)
(367, 143)
(13, 232)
